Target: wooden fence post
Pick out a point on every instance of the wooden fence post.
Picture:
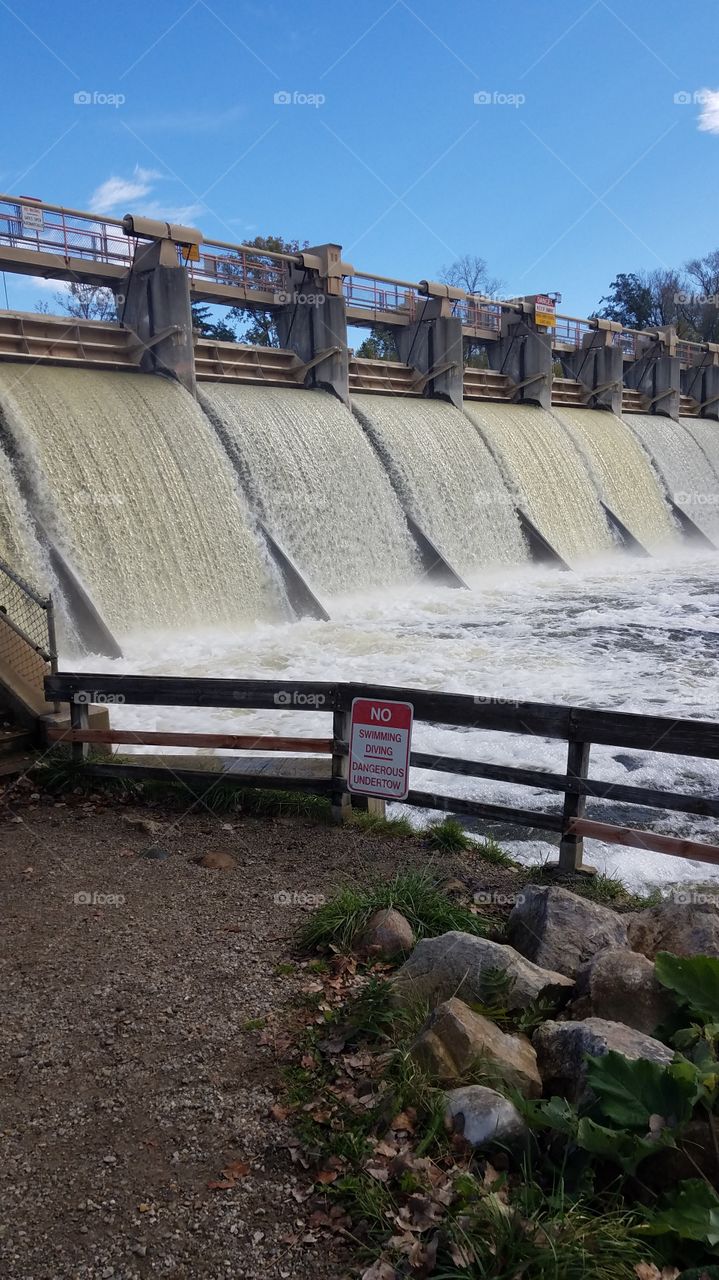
(571, 847)
(79, 719)
(341, 798)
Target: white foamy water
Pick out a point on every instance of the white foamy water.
(634, 635)
(446, 478)
(685, 468)
(315, 481)
(134, 488)
(548, 473)
(626, 478)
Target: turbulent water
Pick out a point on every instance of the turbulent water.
(690, 479)
(131, 483)
(446, 478)
(548, 473)
(19, 547)
(315, 481)
(636, 635)
(627, 480)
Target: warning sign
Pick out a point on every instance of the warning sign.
(380, 738)
(545, 311)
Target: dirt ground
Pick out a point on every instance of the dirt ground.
(142, 1010)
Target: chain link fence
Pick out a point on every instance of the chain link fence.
(28, 649)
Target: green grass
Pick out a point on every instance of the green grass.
(490, 851)
(388, 828)
(606, 890)
(341, 920)
(448, 836)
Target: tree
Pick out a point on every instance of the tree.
(84, 302)
(380, 345)
(699, 302)
(219, 330)
(471, 273)
(643, 299)
(261, 330)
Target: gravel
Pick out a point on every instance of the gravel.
(132, 1069)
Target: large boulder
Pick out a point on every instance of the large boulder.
(461, 964)
(388, 933)
(560, 930)
(455, 1040)
(684, 928)
(621, 986)
(484, 1118)
(562, 1047)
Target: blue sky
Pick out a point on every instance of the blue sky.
(584, 161)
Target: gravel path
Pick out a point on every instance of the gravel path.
(131, 1073)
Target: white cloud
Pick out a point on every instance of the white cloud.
(182, 213)
(121, 191)
(709, 115)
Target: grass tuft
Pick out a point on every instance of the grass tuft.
(490, 851)
(448, 836)
(340, 921)
(388, 828)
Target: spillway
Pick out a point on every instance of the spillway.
(314, 480)
(685, 467)
(19, 547)
(132, 485)
(549, 474)
(446, 478)
(626, 478)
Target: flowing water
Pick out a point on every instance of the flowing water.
(683, 464)
(705, 500)
(19, 547)
(627, 480)
(548, 473)
(315, 481)
(636, 635)
(132, 485)
(446, 478)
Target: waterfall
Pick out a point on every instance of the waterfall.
(627, 480)
(447, 479)
(687, 472)
(132, 485)
(549, 474)
(19, 547)
(313, 478)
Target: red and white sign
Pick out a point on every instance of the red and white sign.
(380, 741)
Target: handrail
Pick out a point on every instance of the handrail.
(30, 616)
(579, 727)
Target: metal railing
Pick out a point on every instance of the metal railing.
(30, 224)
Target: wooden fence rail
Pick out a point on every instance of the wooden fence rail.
(578, 727)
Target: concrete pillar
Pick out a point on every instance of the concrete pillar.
(312, 322)
(656, 371)
(598, 365)
(432, 344)
(701, 381)
(524, 353)
(154, 302)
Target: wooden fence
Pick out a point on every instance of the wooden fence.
(578, 727)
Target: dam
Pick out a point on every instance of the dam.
(501, 519)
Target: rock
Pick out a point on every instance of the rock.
(216, 861)
(388, 933)
(621, 986)
(485, 1118)
(561, 1049)
(463, 965)
(560, 930)
(155, 853)
(675, 1164)
(455, 1039)
(684, 928)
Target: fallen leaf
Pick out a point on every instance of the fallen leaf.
(405, 1121)
(238, 1169)
(326, 1176)
(278, 1112)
